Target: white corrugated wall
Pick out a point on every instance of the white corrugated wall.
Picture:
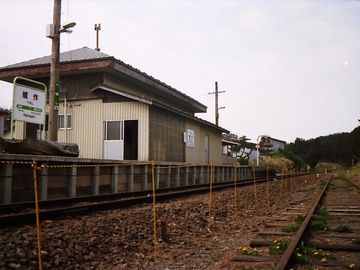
(87, 124)
(19, 130)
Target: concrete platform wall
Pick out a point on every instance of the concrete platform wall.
(60, 177)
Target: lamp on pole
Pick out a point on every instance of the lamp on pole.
(53, 32)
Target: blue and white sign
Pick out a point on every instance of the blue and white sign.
(190, 138)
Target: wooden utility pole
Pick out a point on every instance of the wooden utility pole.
(217, 92)
(54, 72)
(97, 29)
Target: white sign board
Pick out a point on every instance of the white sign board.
(29, 104)
(190, 138)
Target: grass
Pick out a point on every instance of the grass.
(343, 229)
(295, 226)
(299, 219)
(278, 247)
(319, 221)
(291, 228)
(244, 250)
(305, 253)
(354, 171)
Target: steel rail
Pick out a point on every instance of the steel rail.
(351, 182)
(29, 217)
(286, 257)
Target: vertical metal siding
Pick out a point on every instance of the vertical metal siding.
(19, 130)
(87, 125)
(61, 132)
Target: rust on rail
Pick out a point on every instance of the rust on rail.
(285, 258)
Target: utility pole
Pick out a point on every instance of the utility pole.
(217, 92)
(97, 29)
(54, 72)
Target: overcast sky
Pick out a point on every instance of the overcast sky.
(289, 68)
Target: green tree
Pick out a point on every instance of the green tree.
(343, 148)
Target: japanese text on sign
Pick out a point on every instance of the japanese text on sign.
(29, 105)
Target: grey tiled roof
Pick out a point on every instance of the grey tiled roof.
(80, 54)
(86, 54)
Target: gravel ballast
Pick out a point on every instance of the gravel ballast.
(123, 239)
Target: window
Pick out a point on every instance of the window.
(61, 121)
(113, 130)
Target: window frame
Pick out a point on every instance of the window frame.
(61, 121)
(121, 130)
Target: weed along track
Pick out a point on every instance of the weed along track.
(337, 231)
(273, 238)
(324, 233)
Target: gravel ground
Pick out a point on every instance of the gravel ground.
(123, 239)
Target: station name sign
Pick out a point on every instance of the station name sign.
(29, 104)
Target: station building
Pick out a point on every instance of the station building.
(115, 111)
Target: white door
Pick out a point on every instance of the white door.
(114, 140)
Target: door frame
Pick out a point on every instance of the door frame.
(115, 143)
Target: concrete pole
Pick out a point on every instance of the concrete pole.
(145, 177)
(177, 179)
(114, 179)
(130, 184)
(202, 176)
(168, 182)
(216, 104)
(54, 72)
(186, 176)
(95, 183)
(6, 177)
(216, 93)
(71, 182)
(157, 177)
(43, 187)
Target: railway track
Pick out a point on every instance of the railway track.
(321, 234)
(23, 213)
(108, 239)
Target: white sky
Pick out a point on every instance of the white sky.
(289, 68)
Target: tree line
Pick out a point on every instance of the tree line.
(342, 148)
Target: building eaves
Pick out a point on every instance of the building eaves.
(227, 142)
(190, 116)
(120, 93)
(207, 123)
(200, 105)
(86, 54)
